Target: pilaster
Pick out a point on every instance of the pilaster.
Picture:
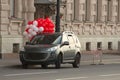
(4, 21)
(19, 8)
(31, 10)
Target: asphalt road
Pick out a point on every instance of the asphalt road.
(10, 69)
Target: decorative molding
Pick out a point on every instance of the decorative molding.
(14, 22)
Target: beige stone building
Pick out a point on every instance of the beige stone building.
(95, 22)
(14, 14)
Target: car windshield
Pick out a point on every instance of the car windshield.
(47, 39)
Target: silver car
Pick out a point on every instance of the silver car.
(56, 48)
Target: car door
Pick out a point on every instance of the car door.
(65, 48)
(71, 51)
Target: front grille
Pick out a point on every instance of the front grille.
(35, 56)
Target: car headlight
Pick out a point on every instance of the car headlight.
(52, 49)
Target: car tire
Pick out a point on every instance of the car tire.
(44, 66)
(58, 61)
(24, 65)
(76, 63)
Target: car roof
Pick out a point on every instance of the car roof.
(57, 33)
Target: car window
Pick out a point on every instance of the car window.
(58, 40)
(64, 38)
(46, 39)
(71, 40)
(77, 41)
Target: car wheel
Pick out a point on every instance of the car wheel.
(58, 61)
(24, 65)
(76, 63)
(44, 66)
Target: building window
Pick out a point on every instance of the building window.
(105, 18)
(118, 15)
(99, 45)
(94, 18)
(88, 46)
(109, 11)
(99, 10)
(109, 45)
(82, 6)
(88, 10)
(12, 8)
(116, 8)
(115, 19)
(15, 47)
(83, 17)
(105, 7)
(76, 10)
(94, 7)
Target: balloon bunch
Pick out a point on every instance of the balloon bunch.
(39, 26)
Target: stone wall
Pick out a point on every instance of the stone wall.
(11, 27)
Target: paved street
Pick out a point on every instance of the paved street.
(10, 69)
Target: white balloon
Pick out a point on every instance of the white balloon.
(41, 29)
(25, 33)
(34, 33)
(29, 35)
(30, 30)
(35, 29)
(27, 26)
(35, 23)
(31, 26)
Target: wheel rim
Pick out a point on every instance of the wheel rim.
(78, 59)
(76, 63)
(44, 65)
(58, 62)
(25, 66)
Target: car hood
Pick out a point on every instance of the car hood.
(31, 48)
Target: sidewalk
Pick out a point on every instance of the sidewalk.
(96, 59)
(86, 59)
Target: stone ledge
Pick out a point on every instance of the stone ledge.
(114, 52)
(10, 56)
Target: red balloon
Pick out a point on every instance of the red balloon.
(48, 20)
(51, 25)
(30, 22)
(40, 23)
(46, 23)
(27, 29)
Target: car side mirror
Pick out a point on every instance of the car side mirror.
(66, 43)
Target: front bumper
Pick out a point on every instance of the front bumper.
(37, 57)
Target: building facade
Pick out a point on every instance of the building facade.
(14, 14)
(95, 22)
